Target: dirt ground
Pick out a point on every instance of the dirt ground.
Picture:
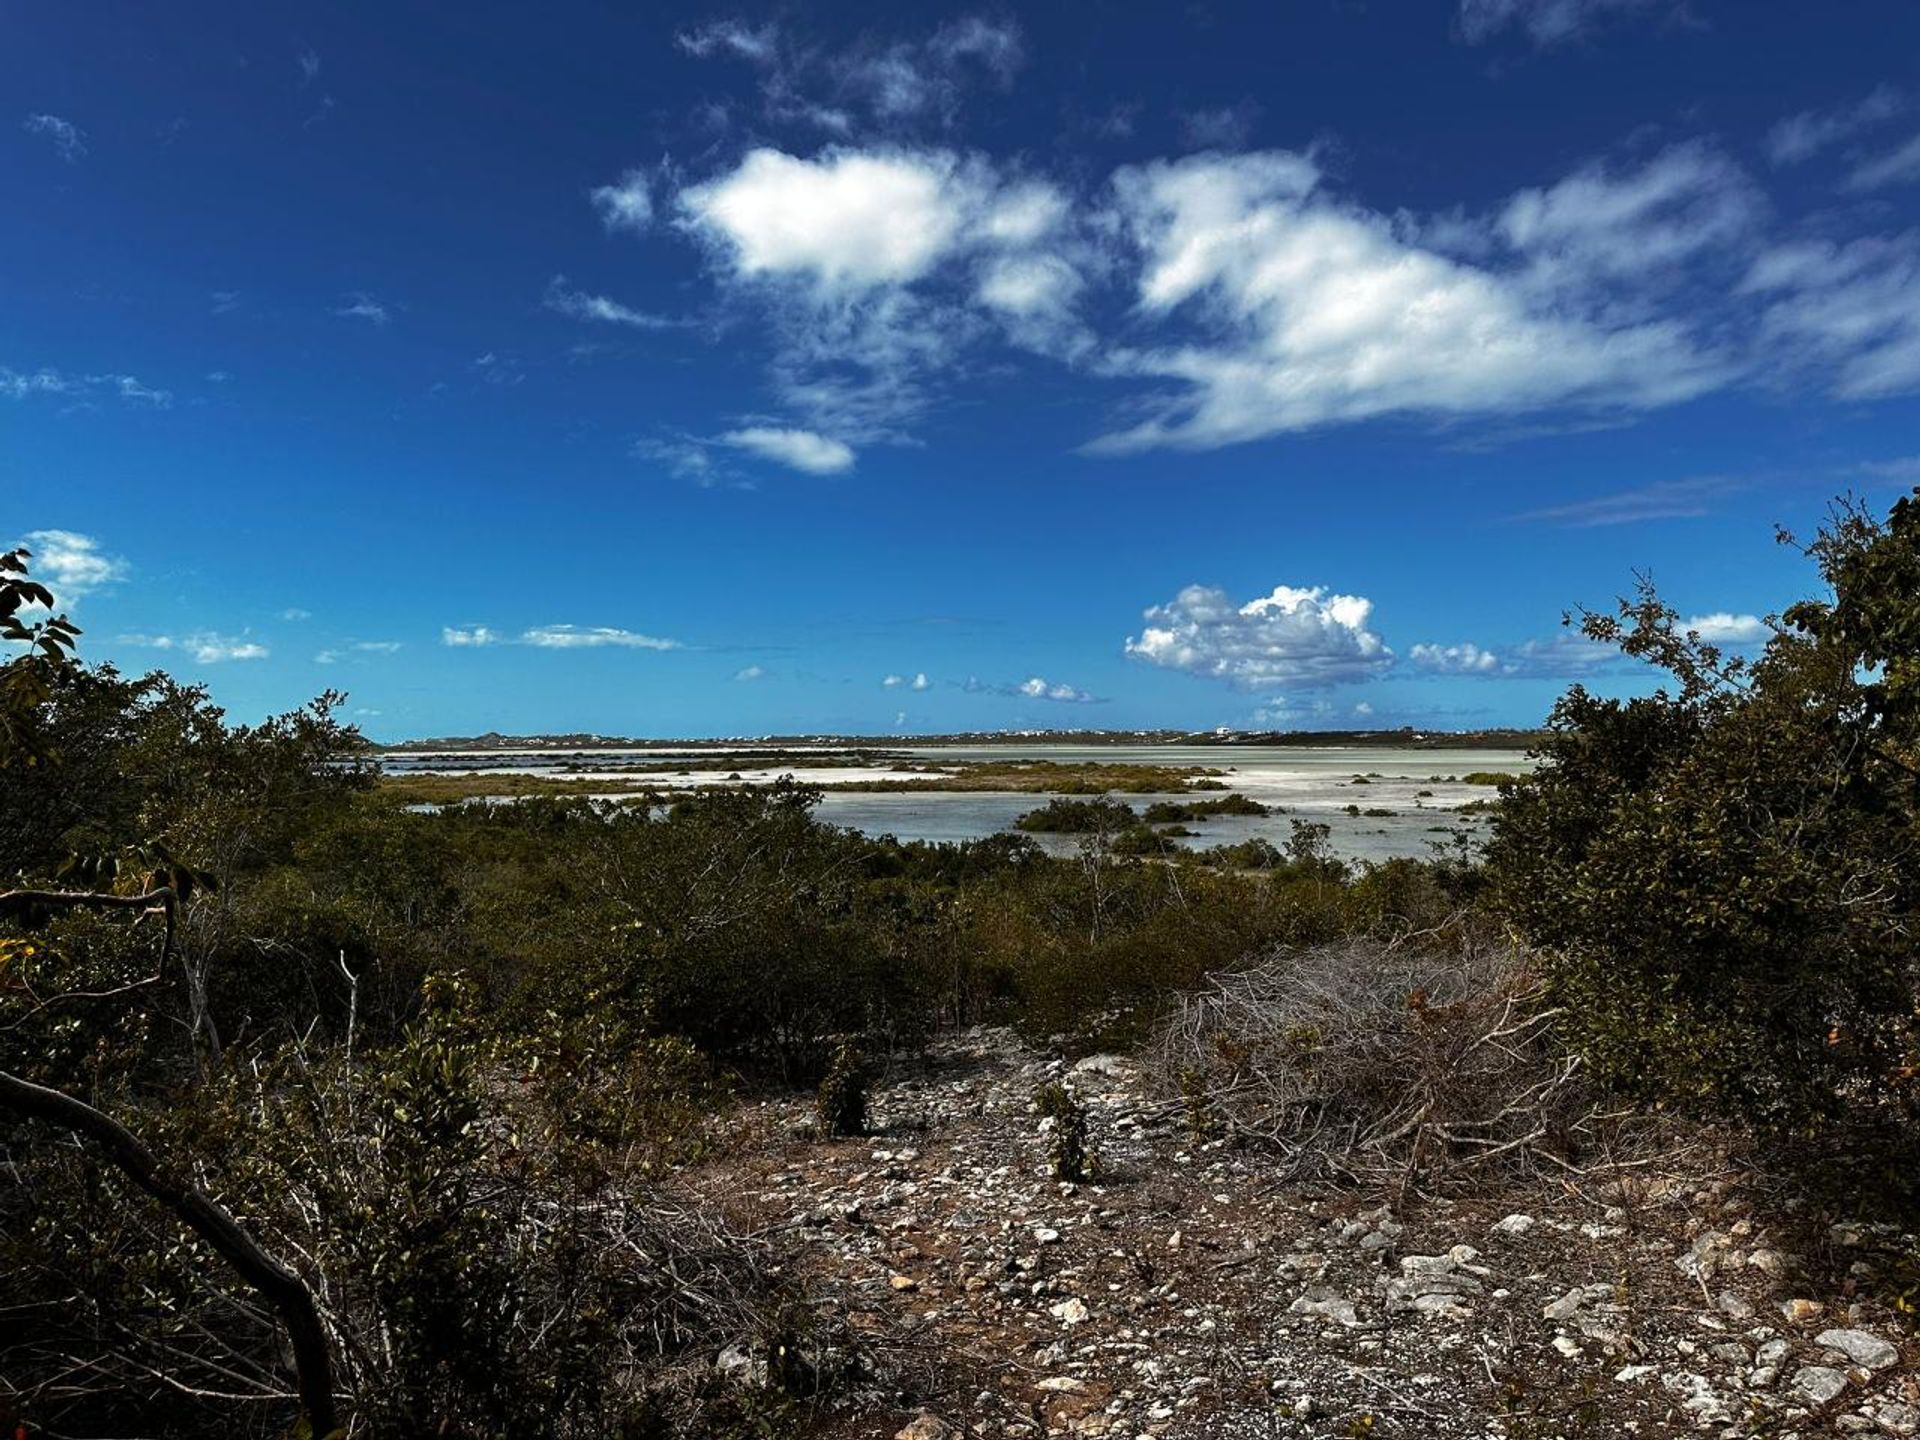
(1187, 1292)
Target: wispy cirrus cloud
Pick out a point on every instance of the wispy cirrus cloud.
(626, 204)
(1683, 499)
(359, 305)
(1802, 136)
(69, 141)
(556, 637)
(563, 299)
(1554, 22)
(899, 83)
(81, 389)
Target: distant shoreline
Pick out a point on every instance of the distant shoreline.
(1405, 738)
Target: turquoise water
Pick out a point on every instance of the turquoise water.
(1314, 784)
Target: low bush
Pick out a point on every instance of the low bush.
(1376, 1061)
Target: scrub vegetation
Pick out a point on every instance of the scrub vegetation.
(321, 1111)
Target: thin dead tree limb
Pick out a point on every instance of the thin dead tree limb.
(280, 1287)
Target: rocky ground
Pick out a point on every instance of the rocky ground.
(1188, 1293)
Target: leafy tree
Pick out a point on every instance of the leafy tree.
(1725, 874)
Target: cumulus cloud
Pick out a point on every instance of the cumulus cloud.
(1034, 687)
(1463, 659)
(1800, 137)
(914, 682)
(750, 673)
(69, 141)
(1292, 638)
(71, 564)
(626, 205)
(1550, 22)
(862, 258)
(798, 449)
(579, 305)
(205, 646)
(468, 635)
(846, 220)
(1309, 312)
(1722, 627)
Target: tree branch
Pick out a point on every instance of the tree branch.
(285, 1291)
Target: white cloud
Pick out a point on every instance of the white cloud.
(915, 682)
(896, 83)
(1463, 659)
(69, 140)
(1294, 637)
(627, 205)
(1853, 307)
(377, 647)
(1897, 166)
(1725, 628)
(362, 306)
(800, 449)
(579, 305)
(1037, 688)
(1024, 284)
(575, 637)
(71, 564)
(734, 37)
(205, 646)
(22, 384)
(1548, 22)
(847, 220)
(1660, 500)
(294, 612)
(1605, 224)
(555, 637)
(1308, 312)
(750, 673)
(1802, 136)
(309, 62)
(1567, 655)
(920, 681)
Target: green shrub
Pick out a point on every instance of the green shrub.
(1724, 874)
(841, 1103)
(1069, 1157)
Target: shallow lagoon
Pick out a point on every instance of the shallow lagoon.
(1314, 784)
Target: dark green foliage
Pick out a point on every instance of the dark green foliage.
(1100, 816)
(1166, 811)
(1070, 1158)
(841, 1102)
(1725, 874)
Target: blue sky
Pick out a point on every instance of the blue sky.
(784, 369)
